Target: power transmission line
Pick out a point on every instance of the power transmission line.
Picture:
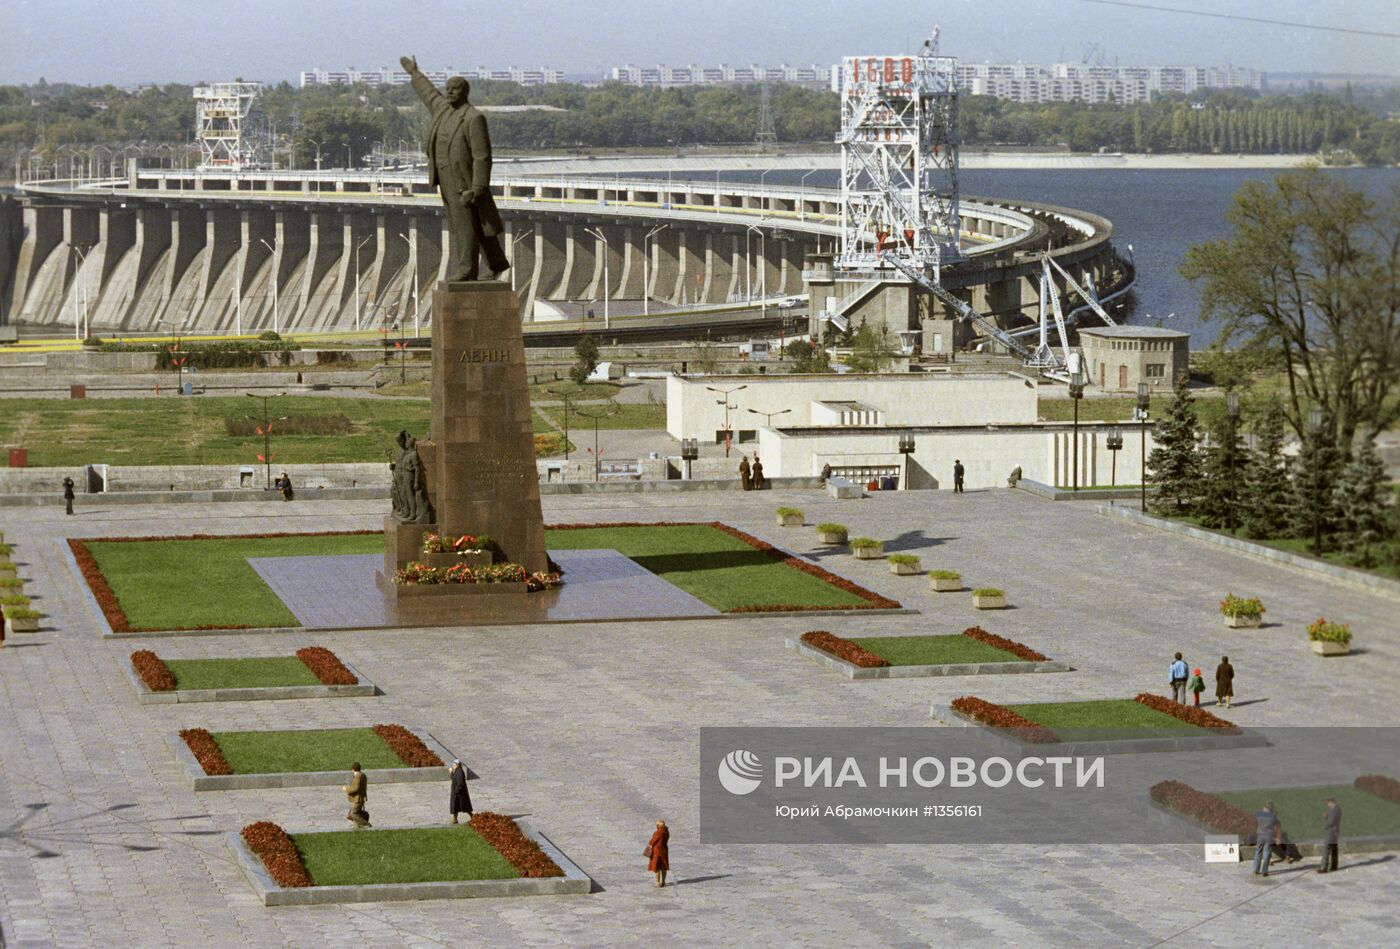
(1247, 19)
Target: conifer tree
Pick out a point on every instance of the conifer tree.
(1267, 496)
(1175, 463)
(1223, 465)
(1315, 474)
(1362, 502)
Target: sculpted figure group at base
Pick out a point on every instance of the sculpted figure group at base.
(410, 490)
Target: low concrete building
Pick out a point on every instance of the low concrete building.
(1119, 357)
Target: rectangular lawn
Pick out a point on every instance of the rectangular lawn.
(709, 564)
(435, 854)
(1300, 809)
(319, 749)
(256, 673)
(933, 650)
(1101, 714)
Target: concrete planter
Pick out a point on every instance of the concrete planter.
(10, 571)
(472, 558)
(834, 538)
(1326, 647)
(904, 569)
(989, 602)
(944, 584)
(22, 625)
(1243, 622)
(869, 553)
(789, 520)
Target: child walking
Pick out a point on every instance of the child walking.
(1196, 686)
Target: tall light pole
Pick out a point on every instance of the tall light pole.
(565, 394)
(363, 241)
(417, 301)
(276, 287)
(318, 145)
(1232, 410)
(1144, 400)
(802, 195)
(646, 261)
(176, 360)
(762, 268)
(1076, 392)
(266, 433)
(80, 317)
(906, 448)
(724, 401)
(594, 451)
(1315, 421)
(238, 289)
(513, 269)
(607, 279)
(768, 416)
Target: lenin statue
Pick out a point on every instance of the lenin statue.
(459, 164)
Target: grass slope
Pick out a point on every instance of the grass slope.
(709, 564)
(350, 858)
(1300, 809)
(316, 749)
(932, 650)
(1109, 713)
(240, 673)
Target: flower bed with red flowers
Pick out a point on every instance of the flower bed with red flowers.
(408, 746)
(1380, 786)
(1186, 713)
(326, 666)
(275, 849)
(1019, 650)
(843, 649)
(206, 751)
(1210, 810)
(505, 835)
(873, 600)
(153, 671)
(997, 716)
(418, 573)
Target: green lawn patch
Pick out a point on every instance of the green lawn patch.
(1300, 809)
(317, 749)
(174, 584)
(717, 568)
(932, 650)
(420, 855)
(1100, 714)
(256, 673)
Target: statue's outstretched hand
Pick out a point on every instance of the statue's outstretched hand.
(409, 63)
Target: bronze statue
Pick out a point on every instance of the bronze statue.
(459, 164)
(410, 490)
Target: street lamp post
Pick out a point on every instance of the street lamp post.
(1076, 392)
(267, 432)
(802, 195)
(417, 301)
(238, 289)
(646, 261)
(906, 448)
(1315, 433)
(176, 360)
(276, 286)
(595, 451)
(513, 269)
(598, 233)
(80, 316)
(690, 450)
(566, 419)
(363, 241)
(1144, 400)
(1232, 410)
(725, 393)
(762, 268)
(1115, 445)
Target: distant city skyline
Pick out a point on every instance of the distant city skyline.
(157, 41)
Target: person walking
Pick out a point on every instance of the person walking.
(958, 472)
(744, 477)
(1264, 823)
(1177, 675)
(658, 852)
(1224, 682)
(757, 473)
(1331, 831)
(357, 792)
(460, 800)
(68, 494)
(826, 474)
(1196, 686)
(284, 483)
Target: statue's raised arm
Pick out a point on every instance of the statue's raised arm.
(427, 92)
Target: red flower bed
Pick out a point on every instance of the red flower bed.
(206, 751)
(408, 746)
(873, 600)
(1187, 713)
(1380, 786)
(1207, 808)
(153, 671)
(326, 666)
(504, 834)
(277, 852)
(997, 716)
(1019, 650)
(843, 649)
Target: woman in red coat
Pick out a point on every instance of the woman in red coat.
(659, 853)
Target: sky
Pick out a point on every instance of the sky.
(127, 42)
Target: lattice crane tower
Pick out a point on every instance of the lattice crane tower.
(899, 161)
(233, 133)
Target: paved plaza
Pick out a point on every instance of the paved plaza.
(590, 730)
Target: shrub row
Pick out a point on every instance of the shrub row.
(277, 852)
(206, 751)
(504, 834)
(1207, 808)
(1187, 713)
(338, 424)
(1019, 650)
(408, 746)
(222, 354)
(997, 716)
(843, 649)
(326, 666)
(1380, 785)
(153, 671)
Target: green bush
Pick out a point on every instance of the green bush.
(269, 336)
(22, 612)
(6, 549)
(910, 559)
(865, 543)
(832, 528)
(1324, 632)
(9, 582)
(14, 599)
(945, 575)
(988, 591)
(1238, 606)
(220, 354)
(789, 512)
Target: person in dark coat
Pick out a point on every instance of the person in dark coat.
(958, 472)
(357, 793)
(658, 852)
(826, 474)
(1284, 848)
(1224, 682)
(460, 801)
(757, 473)
(284, 484)
(744, 475)
(68, 494)
(1331, 831)
(1264, 823)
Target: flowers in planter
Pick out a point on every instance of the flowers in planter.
(418, 572)
(153, 671)
(843, 649)
(1019, 650)
(505, 835)
(439, 544)
(206, 751)
(408, 746)
(274, 847)
(326, 666)
(1210, 810)
(1321, 631)
(1241, 607)
(1187, 713)
(998, 716)
(542, 580)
